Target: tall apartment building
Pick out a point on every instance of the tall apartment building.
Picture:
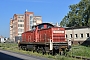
(11, 28)
(23, 22)
(37, 20)
(31, 20)
(16, 26)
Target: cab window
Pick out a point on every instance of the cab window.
(49, 26)
(40, 26)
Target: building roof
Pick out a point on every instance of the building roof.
(37, 16)
(20, 14)
(69, 28)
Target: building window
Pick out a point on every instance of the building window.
(70, 35)
(34, 21)
(19, 30)
(72, 42)
(31, 21)
(20, 20)
(81, 35)
(31, 17)
(19, 34)
(87, 34)
(76, 36)
(11, 26)
(22, 17)
(18, 16)
(20, 25)
(41, 27)
(66, 36)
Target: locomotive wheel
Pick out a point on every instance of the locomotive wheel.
(43, 51)
(22, 48)
(25, 48)
(34, 48)
(51, 52)
(37, 50)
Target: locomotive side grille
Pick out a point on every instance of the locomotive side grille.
(58, 36)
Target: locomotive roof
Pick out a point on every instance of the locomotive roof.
(44, 24)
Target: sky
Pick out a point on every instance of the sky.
(50, 10)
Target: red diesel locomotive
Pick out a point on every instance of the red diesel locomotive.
(45, 38)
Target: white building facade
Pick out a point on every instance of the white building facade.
(78, 35)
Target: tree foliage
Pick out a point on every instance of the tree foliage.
(79, 15)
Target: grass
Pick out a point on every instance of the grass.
(58, 57)
(14, 48)
(79, 50)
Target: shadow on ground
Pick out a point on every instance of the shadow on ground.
(8, 57)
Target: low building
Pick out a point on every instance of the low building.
(2, 39)
(78, 35)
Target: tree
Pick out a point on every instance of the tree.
(79, 15)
